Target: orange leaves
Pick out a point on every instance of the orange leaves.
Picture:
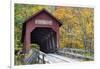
(63, 12)
(76, 20)
(60, 13)
(87, 12)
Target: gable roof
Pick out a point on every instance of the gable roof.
(45, 11)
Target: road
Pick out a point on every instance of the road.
(54, 58)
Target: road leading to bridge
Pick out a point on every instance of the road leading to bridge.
(54, 58)
(43, 58)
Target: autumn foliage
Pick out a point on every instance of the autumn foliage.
(77, 24)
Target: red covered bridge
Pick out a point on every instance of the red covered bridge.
(43, 29)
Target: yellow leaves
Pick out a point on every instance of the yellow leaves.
(63, 42)
(69, 13)
(37, 8)
(87, 12)
(76, 20)
(63, 13)
(79, 44)
(68, 16)
(89, 29)
(71, 43)
(78, 32)
(62, 30)
(60, 13)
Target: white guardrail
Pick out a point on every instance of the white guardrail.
(42, 58)
(35, 57)
(75, 53)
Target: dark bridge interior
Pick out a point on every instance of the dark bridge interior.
(46, 38)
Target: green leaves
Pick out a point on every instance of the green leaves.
(77, 23)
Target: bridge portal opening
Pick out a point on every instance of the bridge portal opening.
(46, 38)
(41, 28)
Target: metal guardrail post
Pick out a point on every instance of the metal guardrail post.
(43, 58)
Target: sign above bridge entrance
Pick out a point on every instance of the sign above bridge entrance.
(43, 22)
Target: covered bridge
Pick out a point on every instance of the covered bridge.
(42, 28)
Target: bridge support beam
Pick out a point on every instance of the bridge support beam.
(26, 44)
